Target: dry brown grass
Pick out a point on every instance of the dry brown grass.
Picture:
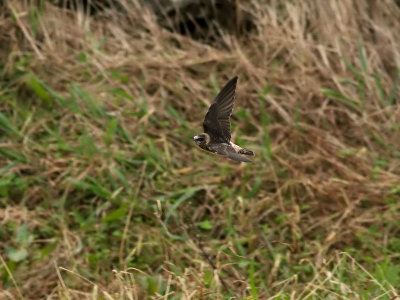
(317, 101)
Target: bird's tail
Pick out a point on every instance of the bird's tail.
(246, 152)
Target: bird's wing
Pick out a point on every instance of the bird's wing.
(237, 157)
(217, 120)
(227, 151)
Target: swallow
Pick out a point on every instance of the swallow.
(217, 126)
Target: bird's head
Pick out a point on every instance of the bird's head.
(201, 139)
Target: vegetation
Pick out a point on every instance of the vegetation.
(103, 194)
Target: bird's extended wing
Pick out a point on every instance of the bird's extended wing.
(227, 151)
(217, 120)
(237, 157)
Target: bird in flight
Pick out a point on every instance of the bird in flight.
(217, 126)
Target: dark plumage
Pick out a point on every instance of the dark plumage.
(217, 127)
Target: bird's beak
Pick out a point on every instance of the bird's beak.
(195, 138)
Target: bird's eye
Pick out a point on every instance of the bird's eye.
(199, 138)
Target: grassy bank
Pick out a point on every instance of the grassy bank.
(103, 194)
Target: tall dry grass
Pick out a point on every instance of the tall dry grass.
(97, 115)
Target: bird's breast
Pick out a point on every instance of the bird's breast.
(204, 146)
(218, 147)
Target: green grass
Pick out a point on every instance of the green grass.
(104, 195)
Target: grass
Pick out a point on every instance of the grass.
(103, 194)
